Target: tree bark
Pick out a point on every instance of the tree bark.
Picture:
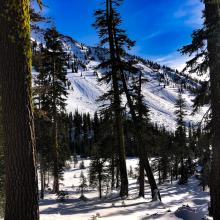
(212, 14)
(141, 148)
(2, 173)
(141, 179)
(42, 179)
(15, 79)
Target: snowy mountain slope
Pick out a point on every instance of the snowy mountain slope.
(160, 92)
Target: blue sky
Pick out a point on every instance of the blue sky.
(159, 27)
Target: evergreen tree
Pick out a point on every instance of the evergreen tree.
(98, 174)
(83, 185)
(108, 21)
(15, 80)
(180, 137)
(52, 78)
(205, 44)
(212, 24)
(105, 23)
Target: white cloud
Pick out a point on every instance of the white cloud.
(191, 11)
(173, 60)
(152, 35)
(196, 15)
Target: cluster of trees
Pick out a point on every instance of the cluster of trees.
(176, 153)
(81, 133)
(104, 137)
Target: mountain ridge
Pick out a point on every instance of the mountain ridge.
(160, 92)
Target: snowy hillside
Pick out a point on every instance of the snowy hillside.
(160, 92)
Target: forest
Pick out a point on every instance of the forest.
(99, 132)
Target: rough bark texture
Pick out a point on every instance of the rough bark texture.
(212, 14)
(2, 173)
(15, 79)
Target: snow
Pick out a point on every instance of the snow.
(160, 100)
(186, 202)
(85, 88)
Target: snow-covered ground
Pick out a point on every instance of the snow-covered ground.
(187, 202)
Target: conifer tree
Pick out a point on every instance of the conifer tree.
(98, 173)
(105, 21)
(128, 67)
(83, 185)
(18, 128)
(110, 32)
(180, 138)
(212, 22)
(205, 44)
(52, 77)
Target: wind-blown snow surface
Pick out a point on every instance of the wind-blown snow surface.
(186, 202)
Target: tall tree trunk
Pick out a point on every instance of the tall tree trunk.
(117, 176)
(55, 137)
(141, 148)
(2, 173)
(141, 179)
(137, 127)
(15, 79)
(212, 14)
(113, 171)
(55, 157)
(42, 179)
(100, 184)
(117, 106)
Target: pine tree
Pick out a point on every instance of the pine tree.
(110, 32)
(180, 138)
(52, 78)
(121, 42)
(212, 23)
(98, 173)
(83, 185)
(105, 21)
(15, 80)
